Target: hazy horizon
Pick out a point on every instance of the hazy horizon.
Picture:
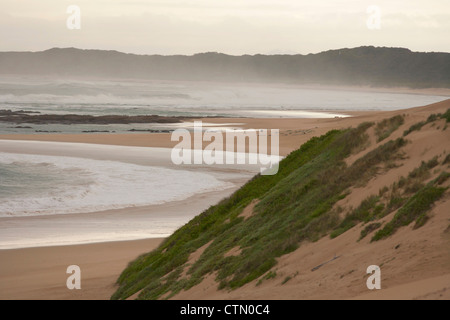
(230, 27)
(218, 52)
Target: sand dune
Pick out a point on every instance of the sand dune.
(414, 264)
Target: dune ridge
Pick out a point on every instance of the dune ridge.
(394, 215)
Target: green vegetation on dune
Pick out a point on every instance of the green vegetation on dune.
(297, 204)
(268, 276)
(414, 182)
(409, 194)
(432, 118)
(447, 159)
(368, 229)
(148, 270)
(415, 209)
(309, 183)
(446, 115)
(386, 127)
(363, 213)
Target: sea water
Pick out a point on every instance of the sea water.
(189, 98)
(33, 185)
(183, 99)
(170, 98)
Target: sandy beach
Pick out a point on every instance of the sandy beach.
(39, 273)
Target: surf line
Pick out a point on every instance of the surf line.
(222, 151)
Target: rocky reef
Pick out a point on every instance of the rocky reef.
(20, 117)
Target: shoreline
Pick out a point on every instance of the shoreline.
(137, 221)
(83, 228)
(293, 132)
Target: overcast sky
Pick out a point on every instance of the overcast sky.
(229, 26)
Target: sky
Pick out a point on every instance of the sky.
(229, 26)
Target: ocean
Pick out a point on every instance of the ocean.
(33, 185)
(122, 97)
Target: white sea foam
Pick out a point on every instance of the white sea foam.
(84, 185)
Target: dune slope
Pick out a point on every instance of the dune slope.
(374, 194)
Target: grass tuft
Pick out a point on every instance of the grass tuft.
(447, 159)
(286, 279)
(446, 115)
(369, 229)
(415, 209)
(432, 118)
(268, 276)
(386, 127)
(363, 213)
